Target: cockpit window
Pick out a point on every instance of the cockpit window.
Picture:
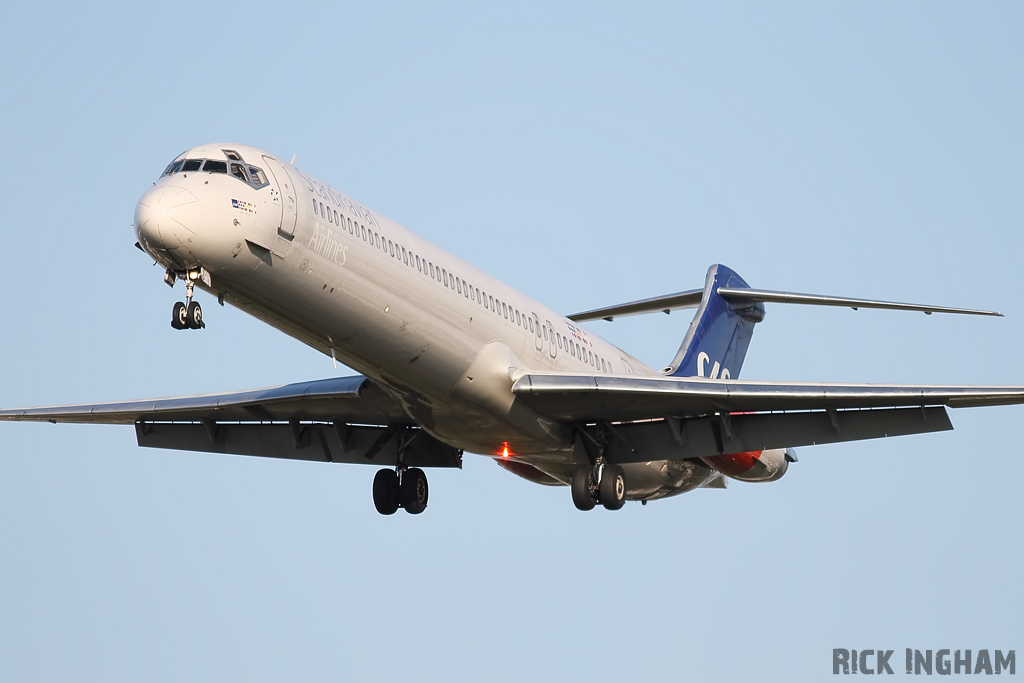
(238, 170)
(257, 176)
(250, 175)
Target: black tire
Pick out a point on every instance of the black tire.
(582, 484)
(194, 315)
(178, 320)
(385, 492)
(613, 487)
(414, 491)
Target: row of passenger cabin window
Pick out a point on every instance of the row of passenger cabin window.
(459, 285)
(250, 175)
(580, 352)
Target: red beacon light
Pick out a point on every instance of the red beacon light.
(504, 450)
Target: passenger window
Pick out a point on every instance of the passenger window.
(418, 267)
(531, 324)
(603, 367)
(257, 176)
(491, 300)
(477, 293)
(336, 222)
(321, 209)
(519, 319)
(504, 309)
(610, 368)
(431, 264)
(445, 273)
(590, 357)
(238, 171)
(545, 328)
(376, 238)
(214, 166)
(405, 256)
(231, 154)
(191, 165)
(363, 227)
(314, 206)
(391, 248)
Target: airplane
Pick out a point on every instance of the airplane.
(454, 360)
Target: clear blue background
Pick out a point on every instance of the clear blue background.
(588, 154)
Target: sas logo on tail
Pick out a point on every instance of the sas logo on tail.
(243, 206)
(702, 360)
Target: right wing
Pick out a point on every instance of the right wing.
(352, 399)
(341, 419)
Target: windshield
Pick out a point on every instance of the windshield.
(250, 175)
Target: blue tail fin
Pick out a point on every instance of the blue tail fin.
(720, 333)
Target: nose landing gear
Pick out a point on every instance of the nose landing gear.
(187, 315)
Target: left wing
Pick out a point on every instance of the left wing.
(655, 418)
(589, 398)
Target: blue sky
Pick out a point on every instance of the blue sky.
(588, 154)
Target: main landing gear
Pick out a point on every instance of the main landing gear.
(393, 489)
(605, 484)
(188, 315)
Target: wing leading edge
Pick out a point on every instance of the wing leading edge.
(352, 399)
(589, 398)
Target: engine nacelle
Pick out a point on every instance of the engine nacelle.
(753, 465)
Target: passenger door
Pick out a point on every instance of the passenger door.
(286, 197)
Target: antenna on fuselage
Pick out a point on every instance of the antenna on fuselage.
(293, 158)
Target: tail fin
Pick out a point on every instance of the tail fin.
(720, 333)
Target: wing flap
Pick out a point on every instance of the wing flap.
(724, 434)
(317, 442)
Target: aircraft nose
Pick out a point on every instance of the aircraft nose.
(166, 217)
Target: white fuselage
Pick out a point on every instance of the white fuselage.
(443, 336)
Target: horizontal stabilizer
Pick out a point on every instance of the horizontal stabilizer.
(740, 295)
(692, 298)
(669, 302)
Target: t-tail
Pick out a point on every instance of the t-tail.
(727, 310)
(718, 338)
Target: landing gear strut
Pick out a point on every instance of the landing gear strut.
(605, 484)
(397, 488)
(188, 315)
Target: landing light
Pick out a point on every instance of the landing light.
(193, 275)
